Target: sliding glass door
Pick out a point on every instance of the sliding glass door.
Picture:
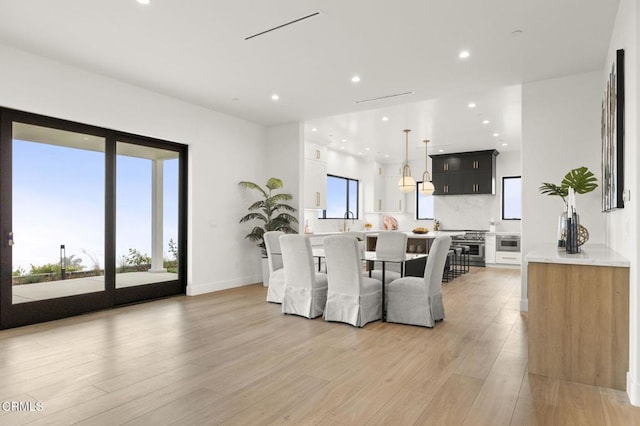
(58, 213)
(90, 218)
(147, 220)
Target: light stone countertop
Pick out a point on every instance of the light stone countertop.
(430, 234)
(591, 254)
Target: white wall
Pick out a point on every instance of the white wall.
(560, 131)
(622, 224)
(285, 159)
(222, 151)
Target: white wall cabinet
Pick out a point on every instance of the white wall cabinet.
(315, 152)
(386, 195)
(315, 176)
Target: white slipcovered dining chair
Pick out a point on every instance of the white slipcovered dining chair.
(305, 290)
(391, 245)
(418, 301)
(275, 292)
(351, 297)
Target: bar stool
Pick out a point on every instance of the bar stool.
(457, 259)
(448, 267)
(464, 258)
(466, 251)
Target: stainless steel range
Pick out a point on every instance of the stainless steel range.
(475, 240)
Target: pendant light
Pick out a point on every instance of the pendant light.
(426, 187)
(406, 182)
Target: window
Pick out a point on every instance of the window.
(424, 203)
(342, 197)
(512, 198)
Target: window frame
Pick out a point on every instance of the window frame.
(347, 181)
(418, 204)
(502, 196)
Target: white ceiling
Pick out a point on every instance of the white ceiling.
(195, 51)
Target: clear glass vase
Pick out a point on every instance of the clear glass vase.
(562, 228)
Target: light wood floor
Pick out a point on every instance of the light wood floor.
(232, 358)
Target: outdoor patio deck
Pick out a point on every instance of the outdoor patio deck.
(49, 290)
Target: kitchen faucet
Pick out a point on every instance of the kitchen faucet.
(346, 217)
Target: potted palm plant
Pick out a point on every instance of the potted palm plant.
(582, 181)
(270, 213)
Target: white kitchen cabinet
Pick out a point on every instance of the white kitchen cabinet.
(315, 152)
(394, 199)
(387, 196)
(315, 176)
(509, 257)
(490, 249)
(315, 185)
(379, 190)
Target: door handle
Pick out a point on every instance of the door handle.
(10, 239)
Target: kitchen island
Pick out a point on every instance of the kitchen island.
(416, 243)
(579, 315)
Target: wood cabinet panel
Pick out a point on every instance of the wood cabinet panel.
(579, 323)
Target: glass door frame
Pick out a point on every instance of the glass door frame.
(138, 293)
(14, 315)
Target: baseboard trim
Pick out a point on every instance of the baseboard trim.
(524, 305)
(196, 289)
(633, 390)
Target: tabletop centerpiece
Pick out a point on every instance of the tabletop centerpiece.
(571, 234)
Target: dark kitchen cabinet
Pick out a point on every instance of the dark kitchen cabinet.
(445, 163)
(447, 183)
(464, 173)
(474, 182)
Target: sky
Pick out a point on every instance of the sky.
(58, 198)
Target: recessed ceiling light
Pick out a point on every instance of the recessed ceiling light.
(386, 156)
(385, 118)
(367, 149)
(275, 97)
(144, 1)
(342, 147)
(344, 140)
(505, 144)
(485, 122)
(496, 134)
(314, 130)
(464, 54)
(355, 79)
(441, 150)
(472, 105)
(360, 153)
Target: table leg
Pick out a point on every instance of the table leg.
(384, 306)
(319, 264)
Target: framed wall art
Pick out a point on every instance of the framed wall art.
(612, 131)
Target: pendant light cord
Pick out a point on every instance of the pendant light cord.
(406, 171)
